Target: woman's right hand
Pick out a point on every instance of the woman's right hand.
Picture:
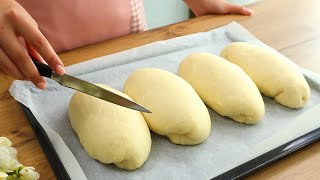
(20, 38)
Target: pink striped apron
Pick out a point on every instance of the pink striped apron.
(70, 24)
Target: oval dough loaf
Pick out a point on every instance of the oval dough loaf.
(272, 75)
(108, 132)
(177, 110)
(223, 86)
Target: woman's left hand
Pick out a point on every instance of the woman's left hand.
(203, 7)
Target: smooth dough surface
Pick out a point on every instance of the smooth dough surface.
(177, 110)
(110, 133)
(223, 86)
(272, 75)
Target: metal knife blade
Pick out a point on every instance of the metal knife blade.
(88, 88)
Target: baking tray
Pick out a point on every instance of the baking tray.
(56, 165)
(235, 173)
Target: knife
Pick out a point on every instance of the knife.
(87, 88)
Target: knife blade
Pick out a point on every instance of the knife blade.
(87, 88)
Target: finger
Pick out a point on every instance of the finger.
(235, 9)
(2, 72)
(20, 57)
(8, 67)
(34, 54)
(31, 51)
(36, 39)
(22, 42)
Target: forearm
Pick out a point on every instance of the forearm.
(202, 7)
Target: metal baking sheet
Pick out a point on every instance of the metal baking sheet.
(236, 173)
(279, 126)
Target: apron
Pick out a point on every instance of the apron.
(68, 24)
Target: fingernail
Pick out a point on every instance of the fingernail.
(248, 11)
(41, 85)
(60, 70)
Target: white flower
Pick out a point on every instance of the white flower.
(9, 163)
(28, 173)
(5, 141)
(8, 158)
(3, 176)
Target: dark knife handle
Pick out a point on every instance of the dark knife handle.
(43, 69)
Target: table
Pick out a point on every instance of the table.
(290, 26)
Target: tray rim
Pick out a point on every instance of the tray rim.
(236, 173)
(51, 154)
(271, 156)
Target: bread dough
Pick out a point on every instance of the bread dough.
(108, 132)
(273, 76)
(223, 86)
(177, 110)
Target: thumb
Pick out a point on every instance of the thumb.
(235, 9)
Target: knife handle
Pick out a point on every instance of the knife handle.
(43, 69)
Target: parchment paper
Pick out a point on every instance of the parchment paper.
(230, 143)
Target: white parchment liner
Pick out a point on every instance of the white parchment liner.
(229, 145)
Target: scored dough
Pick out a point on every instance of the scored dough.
(272, 75)
(177, 110)
(223, 86)
(108, 132)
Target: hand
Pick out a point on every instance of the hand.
(20, 38)
(203, 7)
